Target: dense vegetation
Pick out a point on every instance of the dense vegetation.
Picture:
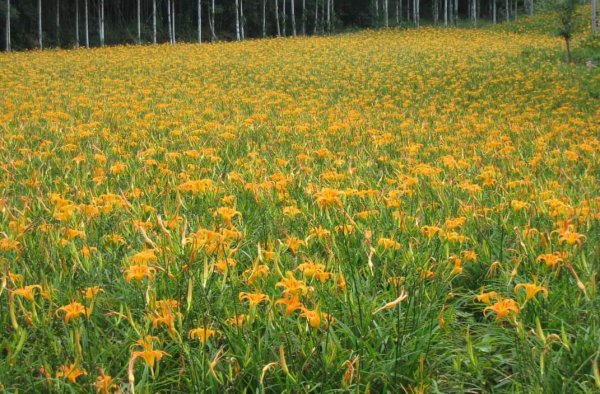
(392, 210)
(70, 23)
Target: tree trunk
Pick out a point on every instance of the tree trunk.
(173, 21)
(377, 13)
(101, 22)
(237, 20)
(494, 10)
(264, 18)
(154, 21)
(386, 19)
(87, 26)
(293, 16)
(213, 35)
(516, 9)
(76, 23)
(398, 12)
(506, 10)
(323, 16)
(242, 20)
(446, 12)
(7, 26)
(435, 12)
(199, 22)
(284, 18)
(139, 23)
(40, 33)
(595, 17)
(455, 12)
(568, 47)
(170, 29)
(277, 18)
(316, 16)
(417, 13)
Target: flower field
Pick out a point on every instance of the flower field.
(386, 211)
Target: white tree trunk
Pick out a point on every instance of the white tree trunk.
(40, 33)
(530, 7)
(400, 11)
(173, 22)
(398, 3)
(386, 20)
(101, 20)
(154, 21)
(76, 23)
(284, 18)
(417, 13)
(328, 5)
(293, 16)
(494, 12)
(242, 20)
(277, 17)
(169, 26)
(7, 25)
(213, 36)
(87, 26)
(446, 12)
(237, 20)
(595, 16)
(264, 18)
(455, 12)
(199, 23)
(139, 22)
(316, 16)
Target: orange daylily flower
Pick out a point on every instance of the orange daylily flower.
(253, 299)
(503, 309)
(26, 291)
(531, 289)
(486, 298)
(70, 372)
(73, 311)
(202, 334)
(147, 353)
(105, 384)
(291, 285)
(292, 303)
(139, 272)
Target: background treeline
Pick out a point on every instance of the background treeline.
(72, 23)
